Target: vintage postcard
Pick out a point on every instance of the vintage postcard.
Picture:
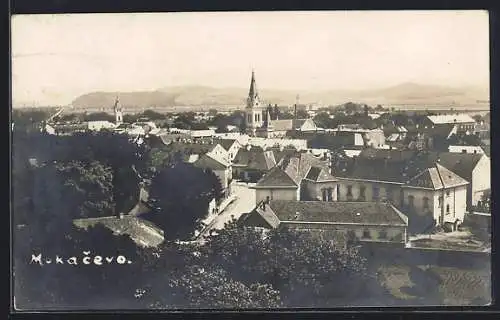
(257, 160)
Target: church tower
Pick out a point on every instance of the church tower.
(118, 112)
(254, 112)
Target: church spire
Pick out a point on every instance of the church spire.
(253, 93)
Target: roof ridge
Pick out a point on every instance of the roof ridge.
(437, 165)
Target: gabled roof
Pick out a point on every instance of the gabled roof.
(398, 166)
(449, 178)
(319, 174)
(226, 143)
(367, 213)
(255, 158)
(460, 163)
(206, 161)
(276, 177)
(428, 179)
(298, 165)
(435, 178)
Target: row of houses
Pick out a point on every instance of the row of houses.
(380, 196)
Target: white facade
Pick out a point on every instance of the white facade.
(277, 194)
(98, 125)
(466, 149)
(481, 179)
(299, 144)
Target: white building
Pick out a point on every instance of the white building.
(466, 149)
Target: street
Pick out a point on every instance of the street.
(245, 202)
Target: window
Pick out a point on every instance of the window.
(366, 234)
(440, 201)
(411, 200)
(447, 209)
(376, 193)
(447, 193)
(329, 192)
(382, 234)
(324, 195)
(390, 194)
(426, 202)
(349, 191)
(362, 190)
(351, 235)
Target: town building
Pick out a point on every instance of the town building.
(463, 122)
(465, 149)
(352, 221)
(385, 175)
(232, 146)
(300, 176)
(251, 163)
(219, 167)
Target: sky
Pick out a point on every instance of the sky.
(56, 58)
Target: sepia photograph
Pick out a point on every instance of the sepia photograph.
(250, 160)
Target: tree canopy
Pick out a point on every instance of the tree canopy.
(180, 195)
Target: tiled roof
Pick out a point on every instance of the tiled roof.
(276, 177)
(330, 141)
(193, 148)
(428, 179)
(280, 154)
(448, 178)
(460, 163)
(298, 166)
(282, 125)
(319, 174)
(255, 158)
(143, 232)
(400, 166)
(205, 161)
(337, 212)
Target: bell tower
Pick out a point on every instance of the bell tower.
(254, 112)
(118, 112)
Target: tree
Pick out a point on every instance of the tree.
(221, 129)
(152, 115)
(302, 114)
(323, 120)
(307, 270)
(87, 188)
(99, 116)
(70, 286)
(181, 195)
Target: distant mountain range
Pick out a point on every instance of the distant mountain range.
(406, 94)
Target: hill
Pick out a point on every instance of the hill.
(403, 94)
